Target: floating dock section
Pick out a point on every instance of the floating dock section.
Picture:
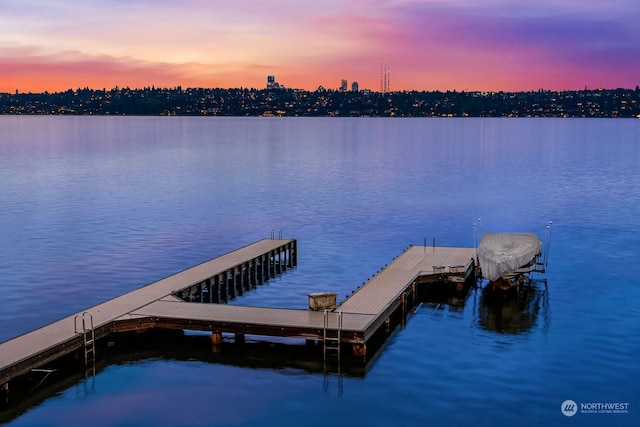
(227, 274)
(173, 303)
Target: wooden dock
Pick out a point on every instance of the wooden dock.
(254, 263)
(172, 303)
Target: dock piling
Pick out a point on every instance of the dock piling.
(216, 337)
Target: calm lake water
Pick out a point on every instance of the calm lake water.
(95, 207)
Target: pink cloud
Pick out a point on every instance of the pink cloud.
(515, 52)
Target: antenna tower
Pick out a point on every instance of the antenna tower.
(385, 77)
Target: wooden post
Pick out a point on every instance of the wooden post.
(216, 337)
(294, 253)
(290, 247)
(413, 294)
(216, 342)
(287, 256)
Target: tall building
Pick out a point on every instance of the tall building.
(343, 85)
(354, 87)
(271, 81)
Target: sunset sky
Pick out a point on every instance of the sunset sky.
(482, 45)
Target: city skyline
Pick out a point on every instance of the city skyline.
(432, 45)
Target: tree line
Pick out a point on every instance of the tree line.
(153, 101)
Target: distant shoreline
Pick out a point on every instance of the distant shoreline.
(244, 102)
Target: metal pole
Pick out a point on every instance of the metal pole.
(475, 240)
(546, 255)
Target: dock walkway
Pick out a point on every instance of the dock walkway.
(31, 350)
(164, 303)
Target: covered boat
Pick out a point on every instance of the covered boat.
(504, 256)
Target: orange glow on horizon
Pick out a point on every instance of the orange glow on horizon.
(56, 77)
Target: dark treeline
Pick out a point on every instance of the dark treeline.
(294, 102)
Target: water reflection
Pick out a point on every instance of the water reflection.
(291, 355)
(514, 313)
(494, 310)
(453, 295)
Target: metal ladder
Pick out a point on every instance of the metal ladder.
(88, 336)
(331, 342)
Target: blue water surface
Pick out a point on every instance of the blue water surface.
(93, 207)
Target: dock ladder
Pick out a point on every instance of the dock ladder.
(331, 337)
(88, 336)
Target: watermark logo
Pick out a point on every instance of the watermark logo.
(569, 408)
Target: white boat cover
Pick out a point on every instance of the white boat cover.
(500, 253)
